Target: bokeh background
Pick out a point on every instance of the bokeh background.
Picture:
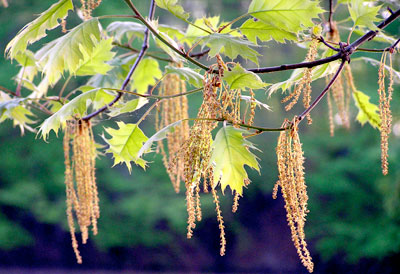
(354, 220)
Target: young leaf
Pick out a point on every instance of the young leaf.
(77, 106)
(239, 78)
(158, 136)
(174, 8)
(146, 74)
(265, 32)
(207, 23)
(363, 13)
(231, 46)
(36, 29)
(185, 73)
(114, 78)
(15, 110)
(250, 100)
(129, 29)
(66, 52)
(367, 112)
(125, 143)
(288, 15)
(125, 107)
(230, 154)
(94, 62)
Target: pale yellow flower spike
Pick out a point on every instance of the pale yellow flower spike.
(82, 197)
(293, 188)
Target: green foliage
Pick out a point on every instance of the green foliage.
(36, 29)
(15, 109)
(230, 154)
(88, 50)
(158, 136)
(185, 73)
(94, 62)
(287, 15)
(146, 74)
(363, 13)
(265, 32)
(173, 7)
(231, 46)
(128, 29)
(69, 51)
(125, 144)
(239, 78)
(367, 112)
(77, 106)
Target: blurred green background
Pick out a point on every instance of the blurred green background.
(354, 220)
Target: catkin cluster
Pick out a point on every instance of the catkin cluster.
(340, 94)
(384, 109)
(219, 102)
(88, 6)
(80, 180)
(294, 190)
(304, 84)
(170, 111)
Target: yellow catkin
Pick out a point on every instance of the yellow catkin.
(304, 85)
(330, 113)
(384, 109)
(293, 188)
(170, 111)
(63, 25)
(341, 98)
(219, 102)
(253, 106)
(88, 6)
(220, 223)
(235, 205)
(82, 196)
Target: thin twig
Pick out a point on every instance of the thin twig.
(8, 91)
(324, 91)
(145, 46)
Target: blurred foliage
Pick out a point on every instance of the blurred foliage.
(354, 209)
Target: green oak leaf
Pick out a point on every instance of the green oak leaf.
(363, 13)
(146, 74)
(231, 46)
(125, 143)
(265, 32)
(124, 107)
(129, 29)
(239, 78)
(185, 73)
(16, 110)
(94, 62)
(76, 107)
(36, 29)
(230, 154)
(158, 136)
(174, 8)
(67, 52)
(288, 15)
(367, 111)
(250, 101)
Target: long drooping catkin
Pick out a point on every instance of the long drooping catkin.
(384, 109)
(304, 85)
(80, 180)
(294, 190)
(170, 111)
